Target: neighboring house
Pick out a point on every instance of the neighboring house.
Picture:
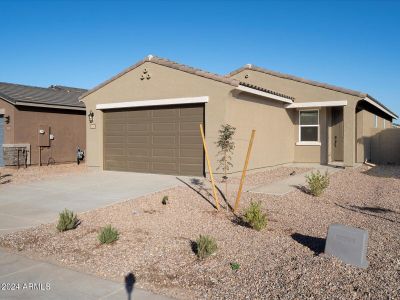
(40, 124)
(394, 125)
(146, 119)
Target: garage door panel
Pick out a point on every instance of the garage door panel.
(164, 140)
(165, 113)
(114, 139)
(138, 114)
(189, 140)
(116, 152)
(166, 167)
(138, 166)
(138, 152)
(168, 152)
(137, 139)
(191, 169)
(192, 153)
(189, 126)
(112, 127)
(138, 126)
(164, 126)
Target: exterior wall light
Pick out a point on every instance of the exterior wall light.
(91, 117)
(7, 119)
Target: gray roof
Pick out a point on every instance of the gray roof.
(53, 96)
(183, 68)
(266, 90)
(308, 81)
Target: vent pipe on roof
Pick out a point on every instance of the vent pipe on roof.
(149, 57)
(248, 66)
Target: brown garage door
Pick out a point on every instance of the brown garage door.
(163, 140)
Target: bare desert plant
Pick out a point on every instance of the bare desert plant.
(205, 246)
(255, 217)
(67, 220)
(317, 183)
(108, 235)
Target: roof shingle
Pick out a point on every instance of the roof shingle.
(53, 95)
(307, 81)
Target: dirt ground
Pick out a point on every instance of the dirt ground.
(13, 175)
(284, 261)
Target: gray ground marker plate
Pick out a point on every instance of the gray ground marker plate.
(348, 244)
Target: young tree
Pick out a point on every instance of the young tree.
(226, 145)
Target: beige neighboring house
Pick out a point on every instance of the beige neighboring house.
(146, 119)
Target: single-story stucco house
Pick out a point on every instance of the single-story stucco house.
(40, 124)
(146, 119)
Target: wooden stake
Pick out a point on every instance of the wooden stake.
(209, 167)
(244, 171)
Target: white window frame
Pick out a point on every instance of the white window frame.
(376, 121)
(309, 143)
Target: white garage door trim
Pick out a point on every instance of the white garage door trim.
(158, 102)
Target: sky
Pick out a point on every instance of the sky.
(82, 43)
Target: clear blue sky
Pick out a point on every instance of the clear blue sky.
(350, 44)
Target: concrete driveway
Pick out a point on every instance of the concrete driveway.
(27, 205)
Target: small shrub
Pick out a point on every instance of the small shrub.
(67, 220)
(255, 217)
(235, 266)
(205, 246)
(164, 200)
(108, 235)
(317, 183)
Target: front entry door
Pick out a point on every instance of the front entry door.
(337, 134)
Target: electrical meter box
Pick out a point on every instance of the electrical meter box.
(44, 135)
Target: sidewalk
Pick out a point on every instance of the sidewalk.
(42, 280)
(287, 185)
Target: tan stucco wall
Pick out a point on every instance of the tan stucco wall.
(385, 145)
(310, 93)
(366, 130)
(164, 83)
(273, 143)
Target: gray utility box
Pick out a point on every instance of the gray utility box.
(348, 244)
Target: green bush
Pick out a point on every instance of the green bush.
(67, 220)
(108, 235)
(235, 266)
(255, 217)
(205, 246)
(164, 200)
(317, 183)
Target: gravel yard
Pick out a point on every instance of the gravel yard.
(33, 173)
(267, 176)
(282, 262)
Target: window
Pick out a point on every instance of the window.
(376, 121)
(309, 126)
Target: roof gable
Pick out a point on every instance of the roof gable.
(170, 64)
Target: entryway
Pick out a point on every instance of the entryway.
(337, 134)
